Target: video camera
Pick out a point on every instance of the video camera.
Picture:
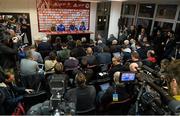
(151, 98)
(127, 77)
(57, 102)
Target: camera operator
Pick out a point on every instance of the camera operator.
(151, 97)
(162, 72)
(83, 95)
(7, 53)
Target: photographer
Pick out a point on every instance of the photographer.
(7, 54)
(151, 96)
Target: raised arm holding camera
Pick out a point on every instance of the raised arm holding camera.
(8, 51)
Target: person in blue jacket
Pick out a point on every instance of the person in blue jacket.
(82, 27)
(72, 27)
(60, 27)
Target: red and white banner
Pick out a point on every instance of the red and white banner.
(57, 11)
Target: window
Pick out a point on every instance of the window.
(128, 21)
(177, 34)
(146, 23)
(166, 11)
(177, 28)
(163, 25)
(101, 23)
(103, 8)
(146, 10)
(128, 9)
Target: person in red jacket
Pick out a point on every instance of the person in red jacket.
(151, 56)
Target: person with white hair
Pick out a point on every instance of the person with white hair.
(126, 42)
(116, 93)
(99, 47)
(114, 48)
(44, 47)
(133, 44)
(44, 39)
(126, 46)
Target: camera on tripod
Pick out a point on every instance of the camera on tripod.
(57, 102)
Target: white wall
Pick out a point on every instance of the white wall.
(29, 6)
(93, 19)
(114, 17)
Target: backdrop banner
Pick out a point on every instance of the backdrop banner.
(54, 12)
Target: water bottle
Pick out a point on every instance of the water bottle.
(56, 113)
(58, 95)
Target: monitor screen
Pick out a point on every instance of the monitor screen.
(129, 76)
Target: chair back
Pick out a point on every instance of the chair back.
(119, 107)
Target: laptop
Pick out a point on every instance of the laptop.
(104, 86)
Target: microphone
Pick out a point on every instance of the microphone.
(151, 70)
(22, 34)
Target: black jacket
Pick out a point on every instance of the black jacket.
(122, 92)
(169, 47)
(7, 56)
(12, 97)
(115, 68)
(83, 97)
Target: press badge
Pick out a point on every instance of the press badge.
(115, 97)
